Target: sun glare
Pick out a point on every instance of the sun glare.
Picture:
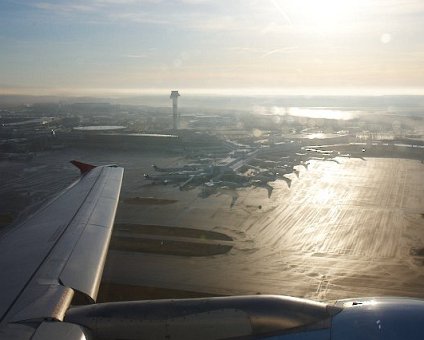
(323, 196)
(322, 15)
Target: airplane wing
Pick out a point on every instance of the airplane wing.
(56, 257)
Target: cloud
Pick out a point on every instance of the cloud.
(138, 17)
(115, 2)
(241, 42)
(71, 7)
(92, 5)
(138, 2)
(243, 49)
(282, 50)
(195, 2)
(184, 14)
(214, 23)
(135, 56)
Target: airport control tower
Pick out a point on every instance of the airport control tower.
(174, 96)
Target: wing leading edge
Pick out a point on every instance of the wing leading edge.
(58, 254)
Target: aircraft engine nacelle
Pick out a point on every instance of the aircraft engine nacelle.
(379, 318)
(253, 317)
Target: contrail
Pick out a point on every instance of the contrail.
(282, 12)
(282, 50)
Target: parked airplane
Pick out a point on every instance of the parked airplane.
(177, 177)
(171, 177)
(325, 158)
(52, 263)
(265, 176)
(228, 184)
(187, 167)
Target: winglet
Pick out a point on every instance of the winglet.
(83, 167)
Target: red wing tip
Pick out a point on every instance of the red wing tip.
(83, 167)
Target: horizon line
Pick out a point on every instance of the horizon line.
(271, 91)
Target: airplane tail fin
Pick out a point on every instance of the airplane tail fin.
(83, 167)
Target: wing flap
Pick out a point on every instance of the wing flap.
(83, 270)
(59, 330)
(49, 300)
(87, 259)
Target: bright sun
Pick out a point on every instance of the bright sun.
(320, 15)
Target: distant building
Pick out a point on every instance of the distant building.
(174, 96)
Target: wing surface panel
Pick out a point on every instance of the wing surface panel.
(47, 256)
(24, 248)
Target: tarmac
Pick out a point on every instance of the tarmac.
(342, 230)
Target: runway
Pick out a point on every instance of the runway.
(342, 230)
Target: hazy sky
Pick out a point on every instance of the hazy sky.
(95, 46)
